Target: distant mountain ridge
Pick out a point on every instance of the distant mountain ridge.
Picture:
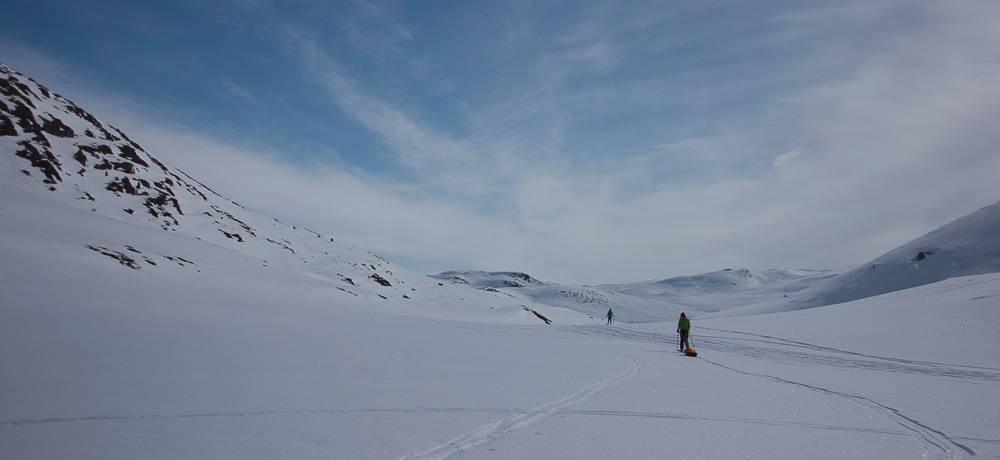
(725, 280)
(648, 300)
(969, 245)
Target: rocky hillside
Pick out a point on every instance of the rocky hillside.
(489, 280)
(52, 147)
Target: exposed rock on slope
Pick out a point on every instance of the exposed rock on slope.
(50, 144)
(482, 279)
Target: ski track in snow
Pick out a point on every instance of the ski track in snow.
(794, 343)
(932, 439)
(745, 420)
(461, 410)
(790, 351)
(981, 440)
(936, 443)
(504, 426)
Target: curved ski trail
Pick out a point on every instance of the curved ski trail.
(933, 440)
(937, 444)
(503, 426)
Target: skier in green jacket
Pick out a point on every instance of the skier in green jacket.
(611, 316)
(684, 328)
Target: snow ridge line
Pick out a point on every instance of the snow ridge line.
(501, 427)
(928, 436)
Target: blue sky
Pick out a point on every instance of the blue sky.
(580, 141)
(590, 80)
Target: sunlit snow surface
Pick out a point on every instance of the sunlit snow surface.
(228, 359)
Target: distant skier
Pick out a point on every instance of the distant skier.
(684, 328)
(611, 316)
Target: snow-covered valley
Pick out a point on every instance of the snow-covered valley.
(192, 327)
(647, 301)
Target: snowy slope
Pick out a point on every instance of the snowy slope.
(50, 145)
(969, 245)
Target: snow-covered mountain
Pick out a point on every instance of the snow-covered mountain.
(969, 245)
(966, 246)
(726, 280)
(648, 300)
(51, 145)
(55, 154)
(518, 285)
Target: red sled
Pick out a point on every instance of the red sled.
(690, 351)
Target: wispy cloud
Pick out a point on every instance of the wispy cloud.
(239, 91)
(444, 162)
(375, 30)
